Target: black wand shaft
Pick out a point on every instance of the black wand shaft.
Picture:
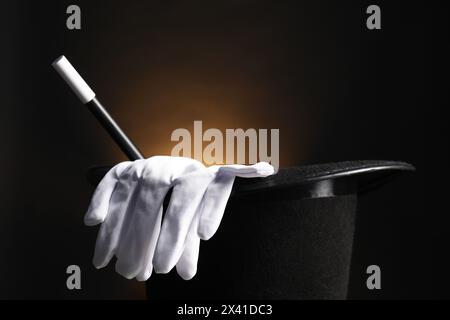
(119, 137)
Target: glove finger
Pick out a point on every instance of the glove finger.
(147, 268)
(98, 207)
(187, 265)
(218, 193)
(213, 205)
(257, 170)
(141, 229)
(110, 230)
(186, 197)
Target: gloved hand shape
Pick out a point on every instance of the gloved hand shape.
(128, 203)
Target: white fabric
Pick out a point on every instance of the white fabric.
(128, 203)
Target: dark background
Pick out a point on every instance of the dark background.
(336, 90)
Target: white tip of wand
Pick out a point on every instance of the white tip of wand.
(73, 79)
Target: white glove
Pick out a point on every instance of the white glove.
(128, 202)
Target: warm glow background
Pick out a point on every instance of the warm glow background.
(221, 65)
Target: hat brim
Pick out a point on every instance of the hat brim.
(361, 175)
